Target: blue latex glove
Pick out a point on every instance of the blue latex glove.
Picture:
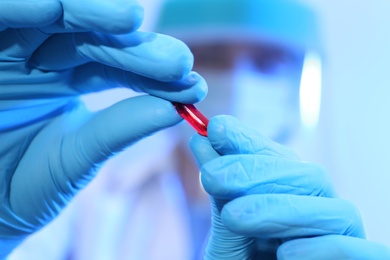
(50, 53)
(268, 204)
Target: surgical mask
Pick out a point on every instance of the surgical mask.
(221, 95)
(267, 101)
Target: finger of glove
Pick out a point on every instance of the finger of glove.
(116, 17)
(202, 150)
(291, 216)
(65, 155)
(332, 247)
(94, 77)
(230, 136)
(115, 128)
(28, 13)
(19, 44)
(148, 54)
(232, 176)
(223, 243)
(24, 15)
(36, 20)
(227, 135)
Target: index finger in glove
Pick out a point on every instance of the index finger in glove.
(17, 44)
(94, 77)
(53, 16)
(37, 20)
(229, 136)
(28, 13)
(232, 176)
(116, 17)
(151, 55)
(291, 216)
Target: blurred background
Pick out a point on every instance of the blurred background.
(348, 134)
(352, 137)
(353, 129)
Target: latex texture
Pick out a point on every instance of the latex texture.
(268, 204)
(51, 53)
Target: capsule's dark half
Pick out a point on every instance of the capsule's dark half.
(193, 116)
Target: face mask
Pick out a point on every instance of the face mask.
(267, 102)
(221, 96)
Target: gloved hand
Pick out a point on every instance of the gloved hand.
(51, 52)
(268, 204)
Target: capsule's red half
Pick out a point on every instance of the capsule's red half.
(193, 116)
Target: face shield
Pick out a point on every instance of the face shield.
(258, 84)
(252, 55)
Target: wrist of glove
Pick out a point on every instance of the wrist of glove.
(267, 203)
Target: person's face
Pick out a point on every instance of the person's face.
(259, 84)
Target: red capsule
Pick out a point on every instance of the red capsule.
(193, 116)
